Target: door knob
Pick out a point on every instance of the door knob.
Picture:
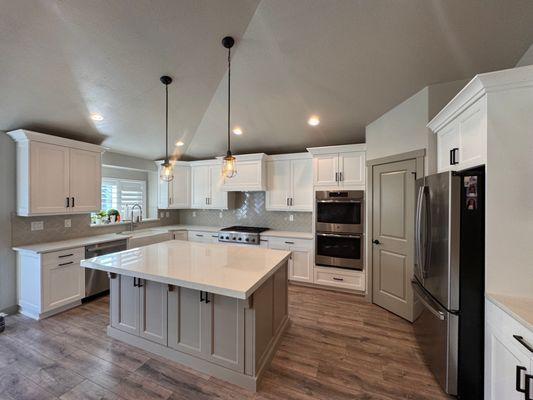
(375, 241)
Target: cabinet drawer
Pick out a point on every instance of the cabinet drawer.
(352, 280)
(202, 236)
(507, 325)
(279, 242)
(59, 257)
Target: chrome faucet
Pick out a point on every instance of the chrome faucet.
(139, 218)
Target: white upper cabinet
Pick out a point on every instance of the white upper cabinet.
(206, 185)
(176, 193)
(461, 140)
(56, 175)
(250, 175)
(339, 166)
(290, 183)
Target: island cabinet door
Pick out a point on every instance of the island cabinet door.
(153, 311)
(125, 304)
(224, 333)
(186, 321)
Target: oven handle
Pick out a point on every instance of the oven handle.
(339, 235)
(339, 201)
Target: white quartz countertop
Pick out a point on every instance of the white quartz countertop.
(235, 271)
(519, 308)
(90, 240)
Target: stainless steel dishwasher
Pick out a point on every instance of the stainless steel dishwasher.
(97, 282)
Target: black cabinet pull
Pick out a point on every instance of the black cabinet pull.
(134, 282)
(287, 242)
(73, 202)
(65, 255)
(337, 279)
(451, 157)
(529, 386)
(201, 296)
(67, 263)
(519, 370)
(207, 298)
(68, 202)
(523, 342)
(454, 154)
(139, 282)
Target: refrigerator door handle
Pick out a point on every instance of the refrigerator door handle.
(426, 301)
(418, 222)
(427, 233)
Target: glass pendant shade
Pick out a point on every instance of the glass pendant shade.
(229, 168)
(166, 173)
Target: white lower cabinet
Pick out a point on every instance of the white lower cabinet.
(139, 307)
(180, 235)
(202, 236)
(508, 361)
(301, 260)
(339, 278)
(141, 241)
(51, 282)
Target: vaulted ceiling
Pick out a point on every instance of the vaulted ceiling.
(348, 61)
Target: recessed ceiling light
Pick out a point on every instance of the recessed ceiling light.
(97, 117)
(179, 143)
(237, 130)
(313, 120)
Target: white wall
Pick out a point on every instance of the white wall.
(527, 58)
(509, 208)
(7, 206)
(403, 128)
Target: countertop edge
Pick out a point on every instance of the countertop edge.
(493, 298)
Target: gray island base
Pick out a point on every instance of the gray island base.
(230, 338)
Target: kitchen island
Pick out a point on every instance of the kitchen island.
(218, 309)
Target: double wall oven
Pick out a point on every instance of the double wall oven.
(340, 229)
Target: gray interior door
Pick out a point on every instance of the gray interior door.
(393, 199)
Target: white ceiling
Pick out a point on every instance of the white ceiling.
(348, 61)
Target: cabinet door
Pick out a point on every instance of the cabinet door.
(279, 184)
(447, 140)
(224, 333)
(63, 283)
(186, 321)
(164, 190)
(504, 362)
(200, 186)
(301, 185)
(326, 167)
(49, 178)
(473, 130)
(249, 177)
(180, 189)
(85, 177)
(218, 198)
(153, 311)
(352, 168)
(301, 265)
(202, 237)
(124, 304)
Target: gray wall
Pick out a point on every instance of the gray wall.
(527, 58)
(7, 207)
(403, 128)
(249, 210)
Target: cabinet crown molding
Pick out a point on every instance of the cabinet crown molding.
(23, 136)
(291, 156)
(478, 87)
(346, 148)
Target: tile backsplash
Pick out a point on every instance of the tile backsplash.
(249, 210)
(54, 227)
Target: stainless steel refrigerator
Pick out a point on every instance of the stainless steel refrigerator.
(449, 278)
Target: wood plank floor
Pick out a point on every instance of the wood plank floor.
(338, 347)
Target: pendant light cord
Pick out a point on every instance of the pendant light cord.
(166, 124)
(229, 100)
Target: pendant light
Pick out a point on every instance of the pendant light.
(167, 169)
(229, 169)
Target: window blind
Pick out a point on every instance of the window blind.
(122, 194)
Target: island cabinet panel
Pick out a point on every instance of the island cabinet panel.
(153, 311)
(225, 331)
(139, 307)
(125, 304)
(186, 320)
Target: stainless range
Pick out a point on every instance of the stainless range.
(241, 235)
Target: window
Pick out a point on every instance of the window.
(122, 194)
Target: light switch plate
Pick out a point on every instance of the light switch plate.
(194, 214)
(37, 225)
(220, 214)
(291, 217)
(167, 214)
(68, 223)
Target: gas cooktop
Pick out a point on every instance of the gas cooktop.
(241, 234)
